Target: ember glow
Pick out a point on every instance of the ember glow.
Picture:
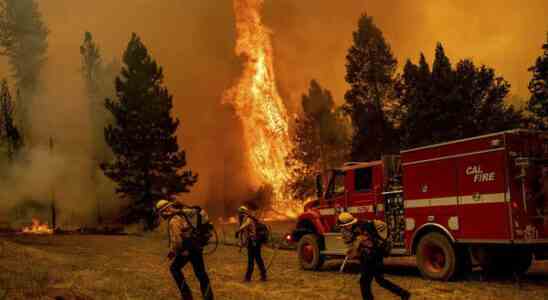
(37, 228)
(259, 106)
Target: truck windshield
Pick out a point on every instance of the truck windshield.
(363, 180)
(336, 185)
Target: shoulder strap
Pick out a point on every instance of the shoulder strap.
(169, 230)
(187, 220)
(253, 218)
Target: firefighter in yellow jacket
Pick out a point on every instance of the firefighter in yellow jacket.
(362, 238)
(249, 237)
(184, 249)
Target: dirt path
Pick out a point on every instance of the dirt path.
(131, 267)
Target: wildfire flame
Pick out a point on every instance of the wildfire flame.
(259, 106)
(37, 228)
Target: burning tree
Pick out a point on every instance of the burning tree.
(148, 164)
(258, 104)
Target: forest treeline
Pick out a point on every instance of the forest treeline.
(385, 111)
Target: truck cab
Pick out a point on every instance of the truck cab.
(361, 188)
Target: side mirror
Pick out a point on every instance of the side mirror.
(319, 186)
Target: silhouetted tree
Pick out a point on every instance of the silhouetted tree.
(370, 71)
(446, 103)
(320, 139)
(23, 39)
(10, 136)
(148, 164)
(91, 63)
(99, 84)
(538, 86)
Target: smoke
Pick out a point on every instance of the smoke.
(194, 42)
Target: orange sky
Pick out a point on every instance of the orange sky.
(193, 39)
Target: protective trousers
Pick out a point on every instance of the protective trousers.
(197, 260)
(371, 266)
(254, 255)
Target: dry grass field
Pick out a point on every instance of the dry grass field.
(134, 267)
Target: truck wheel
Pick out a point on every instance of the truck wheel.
(308, 250)
(436, 257)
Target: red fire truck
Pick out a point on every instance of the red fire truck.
(475, 201)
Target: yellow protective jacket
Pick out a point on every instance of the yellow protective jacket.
(178, 231)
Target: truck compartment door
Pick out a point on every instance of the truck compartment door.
(483, 208)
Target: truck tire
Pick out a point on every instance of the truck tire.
(308, 251)
(436, 257)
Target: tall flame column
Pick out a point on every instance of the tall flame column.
(258, 104)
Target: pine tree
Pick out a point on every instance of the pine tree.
(370, 72)
(450, 103)
(9, 133)
(320, 140)
(99, 84)
(148, 164)
(23, 39)
(91, 63)
(538, 86)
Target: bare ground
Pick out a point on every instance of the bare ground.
(134, 267)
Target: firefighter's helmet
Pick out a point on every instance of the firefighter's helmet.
(243, 209)
(346, 219)
(163, 205)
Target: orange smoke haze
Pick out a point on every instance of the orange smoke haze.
(194, 41)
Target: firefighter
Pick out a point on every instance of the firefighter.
(184, 249)
(362, 239)
(248, 234)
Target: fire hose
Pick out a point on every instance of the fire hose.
(345, 281)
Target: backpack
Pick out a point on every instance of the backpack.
(382, 237)
(202, 231)
(261, 231)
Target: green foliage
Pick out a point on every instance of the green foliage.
(320, 139)
(10, 136)
(148, 164)
(370, 72)
(538, 86)
(451, 103)
(23, 39)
